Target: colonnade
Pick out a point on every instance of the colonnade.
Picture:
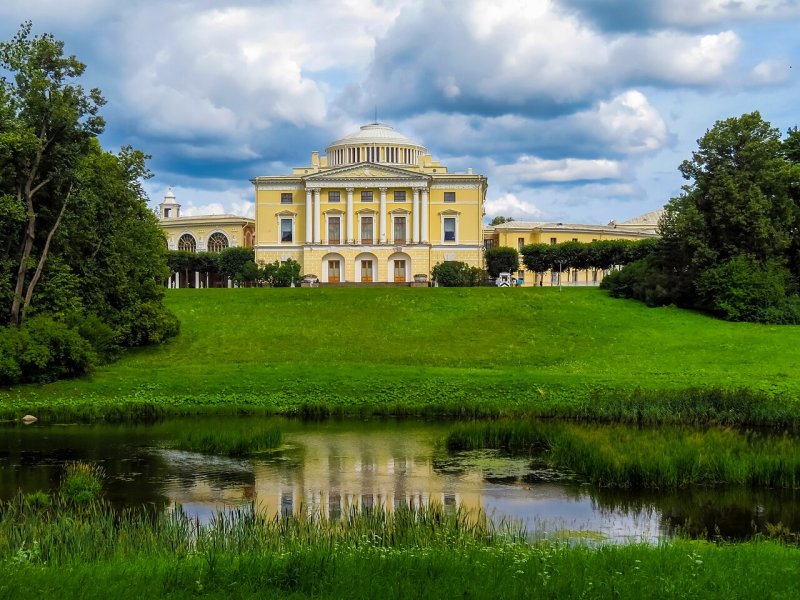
(419, 216)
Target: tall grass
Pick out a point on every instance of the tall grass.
(665, 457)
(234, 442)
(422, 553)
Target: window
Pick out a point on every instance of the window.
(399, 196)
(553, 241)
(286, 230)
(187, 243)
(449, 229)
(488, 243)
(286, 197)
(399, 230)
(366, 196)
(449, 196)
(366, 230)
(217, 242)
(333, 196)
(520, 243)
(334, 230)
(554, 277)
(166, 212)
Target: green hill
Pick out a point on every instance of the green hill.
(469, 351)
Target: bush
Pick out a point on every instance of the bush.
(42, 350)
(149, 323)
(642, 280)
(457, 274)
(741, 289)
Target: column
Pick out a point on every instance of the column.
(197, 279)
(424, 220)
(317, 211)
(350, 233)
(383, 215)
(309, 234)
(415, 217)
(177, 279)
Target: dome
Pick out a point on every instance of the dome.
(375, 133)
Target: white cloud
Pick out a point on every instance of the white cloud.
(628, 123)
(530, 169)
(772, 71)
(508, 205)
(706, 12)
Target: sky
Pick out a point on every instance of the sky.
(576, 111)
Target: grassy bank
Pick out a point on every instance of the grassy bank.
(628, 457)
(459, 352)
(408, 554)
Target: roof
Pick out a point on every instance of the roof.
(558, 226)
(375, 133)
(650, 218)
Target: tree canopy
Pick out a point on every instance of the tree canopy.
(730, 240)
(80, 246)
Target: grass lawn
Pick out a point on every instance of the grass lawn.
(411, 350)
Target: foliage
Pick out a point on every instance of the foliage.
(42, 349)
(453, 273)
(284, 274)
(499, 220)
(730, 240)
(80, 244)
(501, 259)
(231, 262)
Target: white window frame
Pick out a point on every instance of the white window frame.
(373, 216)
(448, 215)
(293, 217)
(404, 216)
(328, 216)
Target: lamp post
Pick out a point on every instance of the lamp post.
(560, 263)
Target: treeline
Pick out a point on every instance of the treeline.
(237, 264)
(601, 255)
(731, 241)
(83, 257)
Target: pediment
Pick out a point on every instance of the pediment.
(365, 171)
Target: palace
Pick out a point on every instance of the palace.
(375, 208)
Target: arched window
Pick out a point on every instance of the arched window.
(187, 243)
(217, 242)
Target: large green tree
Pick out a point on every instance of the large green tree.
(83, 256)
(48, 120)
(730, 239)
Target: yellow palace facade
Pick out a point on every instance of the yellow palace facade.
(375, 208)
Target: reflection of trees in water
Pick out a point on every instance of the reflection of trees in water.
(730, 512)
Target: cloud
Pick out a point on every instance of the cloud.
(772, 71)
(631, 15)
(529, 169)
(508, 205)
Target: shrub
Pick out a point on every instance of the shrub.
(457, 274)
(42, 350)
(149, 323)
(642, 280)
(741, 289)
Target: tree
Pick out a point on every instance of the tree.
(501, 259)
(730, 240)
(47, 123)
(500, 220)
(453, 273)
(231, 262)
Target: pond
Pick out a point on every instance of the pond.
(331, 466)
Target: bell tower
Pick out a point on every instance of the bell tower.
(169, 208)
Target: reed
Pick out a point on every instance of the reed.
(664, 457)
(411, 553)
(234, 442)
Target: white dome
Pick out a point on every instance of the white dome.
(376, 133)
